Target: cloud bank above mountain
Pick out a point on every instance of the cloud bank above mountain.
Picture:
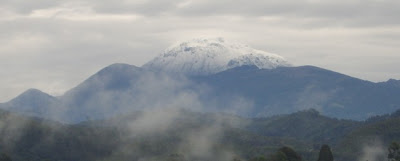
(54, 45)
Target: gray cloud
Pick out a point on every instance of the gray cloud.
(54, 45)
(355, 12)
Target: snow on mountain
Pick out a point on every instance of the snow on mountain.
(208, 56)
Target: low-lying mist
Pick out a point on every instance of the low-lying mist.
(100, 97)
(142, 115)
(373, 150)
(158, 116)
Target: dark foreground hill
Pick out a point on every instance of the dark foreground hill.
(162, 135)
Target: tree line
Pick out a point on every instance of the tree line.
(325, 154)
(288, 154)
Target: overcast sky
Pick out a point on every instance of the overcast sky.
(53, 45)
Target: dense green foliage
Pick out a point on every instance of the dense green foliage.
(325, 154)
(283, 154)
(290, 154)
(306, 125)
(385, 131)
(5, 157)
(394, 152)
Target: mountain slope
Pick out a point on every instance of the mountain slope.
(308, 125)
(115, 77)
(33, 102)
(123, 88)
(103, 94)
(214, 75)
(289, 89)
(209, 56)
(375, 134)
(245, 91)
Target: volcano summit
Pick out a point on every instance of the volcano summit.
(209, 56)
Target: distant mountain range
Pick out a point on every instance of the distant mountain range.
(213, 76)
(121, 88)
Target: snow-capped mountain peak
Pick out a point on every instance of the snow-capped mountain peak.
(208, 56)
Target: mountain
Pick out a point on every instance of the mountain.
(102, 94)
(121, 88)
(288, 89)
(33, 102)
(214, 75)
(245, 91)
(393, 82)
(115, 89)
(219, 111)
(209, 56)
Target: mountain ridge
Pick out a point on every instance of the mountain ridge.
(119, 88)
(32, 102)
(214, 75)
(304, 87)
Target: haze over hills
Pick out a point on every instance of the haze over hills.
(213, 76)
(158, 135)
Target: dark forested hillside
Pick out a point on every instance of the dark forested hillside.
(158, 135)
(304, 125)
(376, 133)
